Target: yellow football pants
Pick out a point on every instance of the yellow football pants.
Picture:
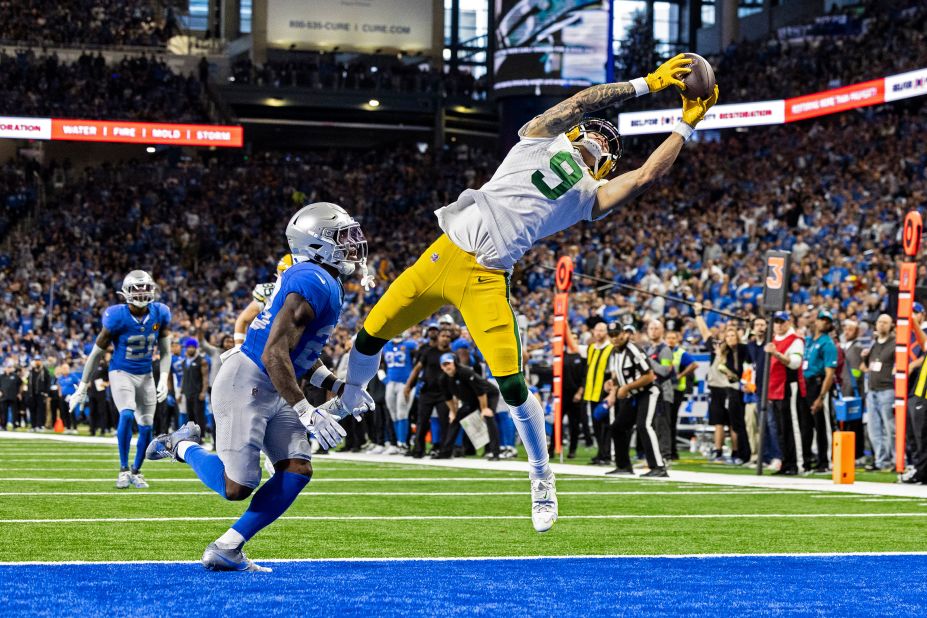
(446, 274)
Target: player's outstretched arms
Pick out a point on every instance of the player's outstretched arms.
(567, 114)
(628, 186)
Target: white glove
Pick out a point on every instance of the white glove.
(78, 397)
(356, 400)
(322, 424)
(161, 392)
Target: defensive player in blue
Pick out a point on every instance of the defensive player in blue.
(257, 401)
(399, 356)
(134, 329)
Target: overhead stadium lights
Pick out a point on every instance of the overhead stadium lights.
(373, 103)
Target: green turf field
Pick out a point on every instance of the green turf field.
(58, 502)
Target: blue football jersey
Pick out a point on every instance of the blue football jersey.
(135, 338)
(399, 360)
(323, 292)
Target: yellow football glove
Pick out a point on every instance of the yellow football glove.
(669, 73)
(694, 110)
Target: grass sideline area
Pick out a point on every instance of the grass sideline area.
(59, 501)
(403, 539)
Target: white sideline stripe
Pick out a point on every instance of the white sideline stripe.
(521, 466)
(704, 478)
(95, 520)
(193, 479)
(403, 493)
(863, 554)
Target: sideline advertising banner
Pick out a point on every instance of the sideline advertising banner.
(351, 25)
(123, 132)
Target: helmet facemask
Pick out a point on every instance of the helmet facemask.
(139, 294)
(602, 141)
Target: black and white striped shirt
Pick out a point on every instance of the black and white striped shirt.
(629, 365)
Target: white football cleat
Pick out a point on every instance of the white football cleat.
(377, 450)
(138, 481)
(544, 503)
(391, 450)
(269, 466)
(124, 480)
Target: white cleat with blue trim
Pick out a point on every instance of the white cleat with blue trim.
(217, 558)
(544, 503)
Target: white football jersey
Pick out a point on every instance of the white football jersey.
(264, 293)
(542, 187)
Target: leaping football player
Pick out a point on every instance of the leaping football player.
(134, 328)
(556, 176)
(257, 401)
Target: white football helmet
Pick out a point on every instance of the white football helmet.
(325, 233)
(139, 289)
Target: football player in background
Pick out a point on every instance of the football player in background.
(399, 356)
(262, 295)
(257, 400)
(556, 176)
(134, 328)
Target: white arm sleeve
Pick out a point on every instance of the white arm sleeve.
(164, 347)
(92, 362)
(795, 354)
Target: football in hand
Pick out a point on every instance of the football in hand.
(700, 82)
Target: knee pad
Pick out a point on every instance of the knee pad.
(144, 418)
(513, 388)
(368, 344)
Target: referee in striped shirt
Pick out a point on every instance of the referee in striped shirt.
(633, 384)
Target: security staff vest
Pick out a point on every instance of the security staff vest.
(596, 365)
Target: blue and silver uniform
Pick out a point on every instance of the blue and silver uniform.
(135, 338)
(249, 411)
(323, 292)
(399, 360)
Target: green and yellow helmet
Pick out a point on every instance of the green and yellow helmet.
(284, 263)
(601, 139)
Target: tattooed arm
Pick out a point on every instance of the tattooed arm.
(566, 114)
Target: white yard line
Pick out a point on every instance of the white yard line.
(423, 494)
(705, 478)
(95, 520)
(482, 558)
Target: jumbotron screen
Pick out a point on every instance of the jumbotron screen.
(550, 45)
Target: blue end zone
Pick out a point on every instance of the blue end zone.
(760, 585)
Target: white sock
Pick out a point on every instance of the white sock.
(529, 421)
(231, 539)
(361, 367)
(183, 446)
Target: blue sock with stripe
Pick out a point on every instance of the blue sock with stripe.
(506, 428)
(402, 431)
(144, 438)
(124, 436)
(181, 420)
(208, 467)
(270, 502)
(435, 432)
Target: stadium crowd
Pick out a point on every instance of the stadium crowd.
(387, 73)
(893, 39)
(135, 88)
(88, 22)
(834, 195)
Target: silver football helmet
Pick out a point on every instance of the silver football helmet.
(325, 233)
(139, 289)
